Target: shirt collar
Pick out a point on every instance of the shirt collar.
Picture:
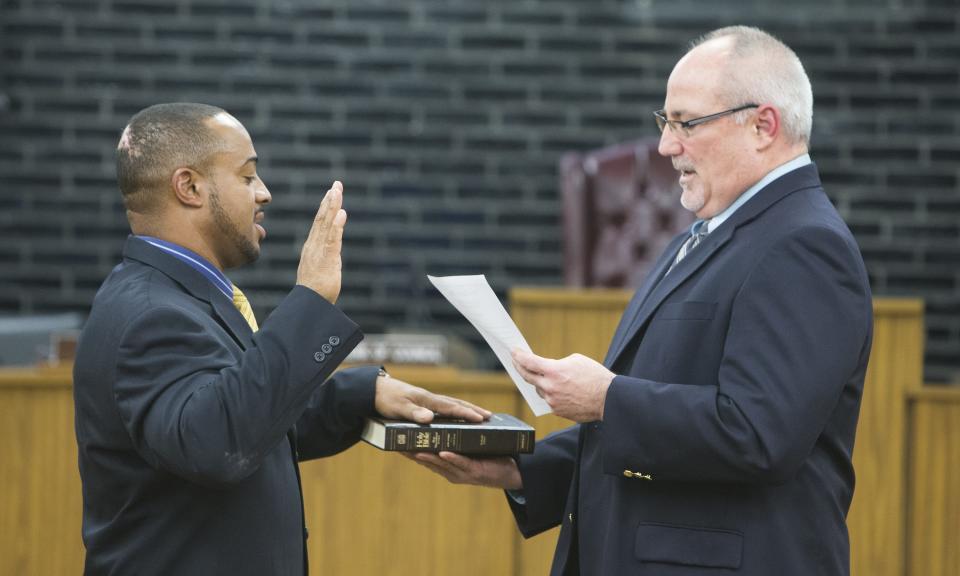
(195, 261)
(777, 172)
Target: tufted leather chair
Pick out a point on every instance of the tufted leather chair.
(621, 206)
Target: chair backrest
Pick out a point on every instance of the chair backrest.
(621, 206)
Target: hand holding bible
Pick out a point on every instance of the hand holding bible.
(499, 472)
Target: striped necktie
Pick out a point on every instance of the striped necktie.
(692, 242)
(243, 305)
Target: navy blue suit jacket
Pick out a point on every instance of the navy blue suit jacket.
(727, 436)
(190, 426)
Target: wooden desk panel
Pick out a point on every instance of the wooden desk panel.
(558, 321)
(877, 514)
(933, 482)
(368, 512)
(375, 513)
(40, 501)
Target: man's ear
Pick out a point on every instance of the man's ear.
(186, 184)
(766, 126)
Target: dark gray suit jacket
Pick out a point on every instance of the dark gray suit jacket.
(727, 435)
(190, 426)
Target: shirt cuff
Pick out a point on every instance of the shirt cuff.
(517, 496)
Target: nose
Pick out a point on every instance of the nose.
(263, 195)
(669, 143)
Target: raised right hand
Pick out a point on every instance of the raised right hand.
(320, 261)
(501, 472)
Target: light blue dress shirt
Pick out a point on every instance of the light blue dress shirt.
(777, 172)
(195, 261)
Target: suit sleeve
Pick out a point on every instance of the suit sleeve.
(797, 333)
(192, 408)
(547, 476)
(334, 416)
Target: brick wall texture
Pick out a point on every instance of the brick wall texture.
(446, 120)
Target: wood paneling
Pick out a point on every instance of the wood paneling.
(371, 513)
(368, 512)
(933, 482)
(558, 322)
(40, 502)
(877, 515)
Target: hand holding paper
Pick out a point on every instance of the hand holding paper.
(574, 387)
(474, 298)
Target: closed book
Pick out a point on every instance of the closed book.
(501, 435)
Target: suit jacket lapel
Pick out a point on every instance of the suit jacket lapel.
(194, 284)
(620, 336)
(656, 288)
(697, 258)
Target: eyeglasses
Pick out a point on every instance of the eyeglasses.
(683, 127)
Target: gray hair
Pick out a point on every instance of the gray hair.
(777, 78)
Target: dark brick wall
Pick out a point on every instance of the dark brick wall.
(446, 120)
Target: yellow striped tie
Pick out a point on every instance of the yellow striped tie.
(243, 305)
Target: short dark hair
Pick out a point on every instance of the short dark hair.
(156, 142)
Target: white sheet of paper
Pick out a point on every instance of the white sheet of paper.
(474, 298)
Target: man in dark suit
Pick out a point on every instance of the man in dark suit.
(190, 419)
(716, 438)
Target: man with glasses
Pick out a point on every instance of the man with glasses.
(716, 437)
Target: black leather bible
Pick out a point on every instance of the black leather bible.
(501, 435)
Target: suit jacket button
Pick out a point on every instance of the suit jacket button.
(334, 340)
(326, 348)
(319, 356)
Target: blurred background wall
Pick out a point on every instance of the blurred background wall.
(446, 120)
